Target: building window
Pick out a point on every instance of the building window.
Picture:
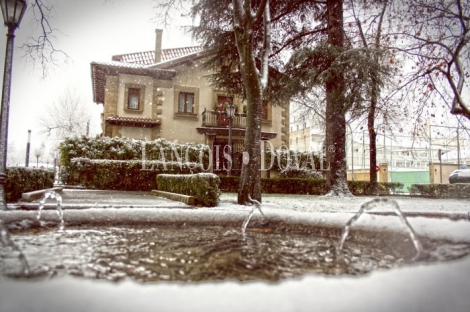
(186, 103)
(265, 115)
(133, 98)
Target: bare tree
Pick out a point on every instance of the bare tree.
(38, 153)
(39, 47)
(66, 117)
(434, 37)
(371, 41)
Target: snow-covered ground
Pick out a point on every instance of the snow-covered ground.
(427, 287)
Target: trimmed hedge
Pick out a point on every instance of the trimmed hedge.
(383, 188)
(21, 180)
(458, 190)
(203, 186)
(306, 186)
(122, 175)
(127, 164)
(290, 160)
(130, 149)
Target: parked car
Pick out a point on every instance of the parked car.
(460, 176)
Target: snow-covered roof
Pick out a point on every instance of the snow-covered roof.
(133, 122)
(148, 57)
(139, 63)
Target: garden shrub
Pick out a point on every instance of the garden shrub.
(127, 164)
(306, 186)
(130, 149)
(300, 172)
(441, 190)
(204, 187)
(21, 180)
(122, 175)
(383, 188)
(292, 162)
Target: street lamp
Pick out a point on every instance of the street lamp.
(230, 110)
(13, 11)
(28, 148)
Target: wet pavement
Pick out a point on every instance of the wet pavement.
(454, 209)
(82, 198)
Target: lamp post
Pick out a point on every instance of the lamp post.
(230, 110)
(28, 148)
(13, 11)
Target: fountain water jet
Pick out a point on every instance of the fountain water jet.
(60, 213)
(369, 206)
(256, 204)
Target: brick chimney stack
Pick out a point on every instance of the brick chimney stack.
(158, 45)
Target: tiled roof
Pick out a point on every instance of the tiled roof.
(120, 64)
(148, 58)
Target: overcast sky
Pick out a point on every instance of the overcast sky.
(88, 30)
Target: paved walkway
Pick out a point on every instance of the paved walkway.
(411, 206)
(78, 198)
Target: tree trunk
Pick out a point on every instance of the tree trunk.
(372, 140)
(335, 114)
(374, 99)
(250, 178)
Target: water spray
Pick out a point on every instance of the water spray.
(60, 213)
(256, 204)
(369, 206)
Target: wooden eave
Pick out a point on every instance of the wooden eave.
(133, 122)
(237, 132)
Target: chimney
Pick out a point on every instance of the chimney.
(158, 45)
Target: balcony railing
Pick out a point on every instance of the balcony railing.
(218, 119)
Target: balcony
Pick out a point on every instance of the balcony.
(215, 123)
(218, 119)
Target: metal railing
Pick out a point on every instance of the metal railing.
(211, 118)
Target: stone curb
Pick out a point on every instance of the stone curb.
(35, 195)
(185, 199)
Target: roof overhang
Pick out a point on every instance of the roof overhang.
(214, 131)
(133, 122)
(99, 71)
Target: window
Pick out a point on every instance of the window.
(186, 102)
(265, 111)
(133, 98)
